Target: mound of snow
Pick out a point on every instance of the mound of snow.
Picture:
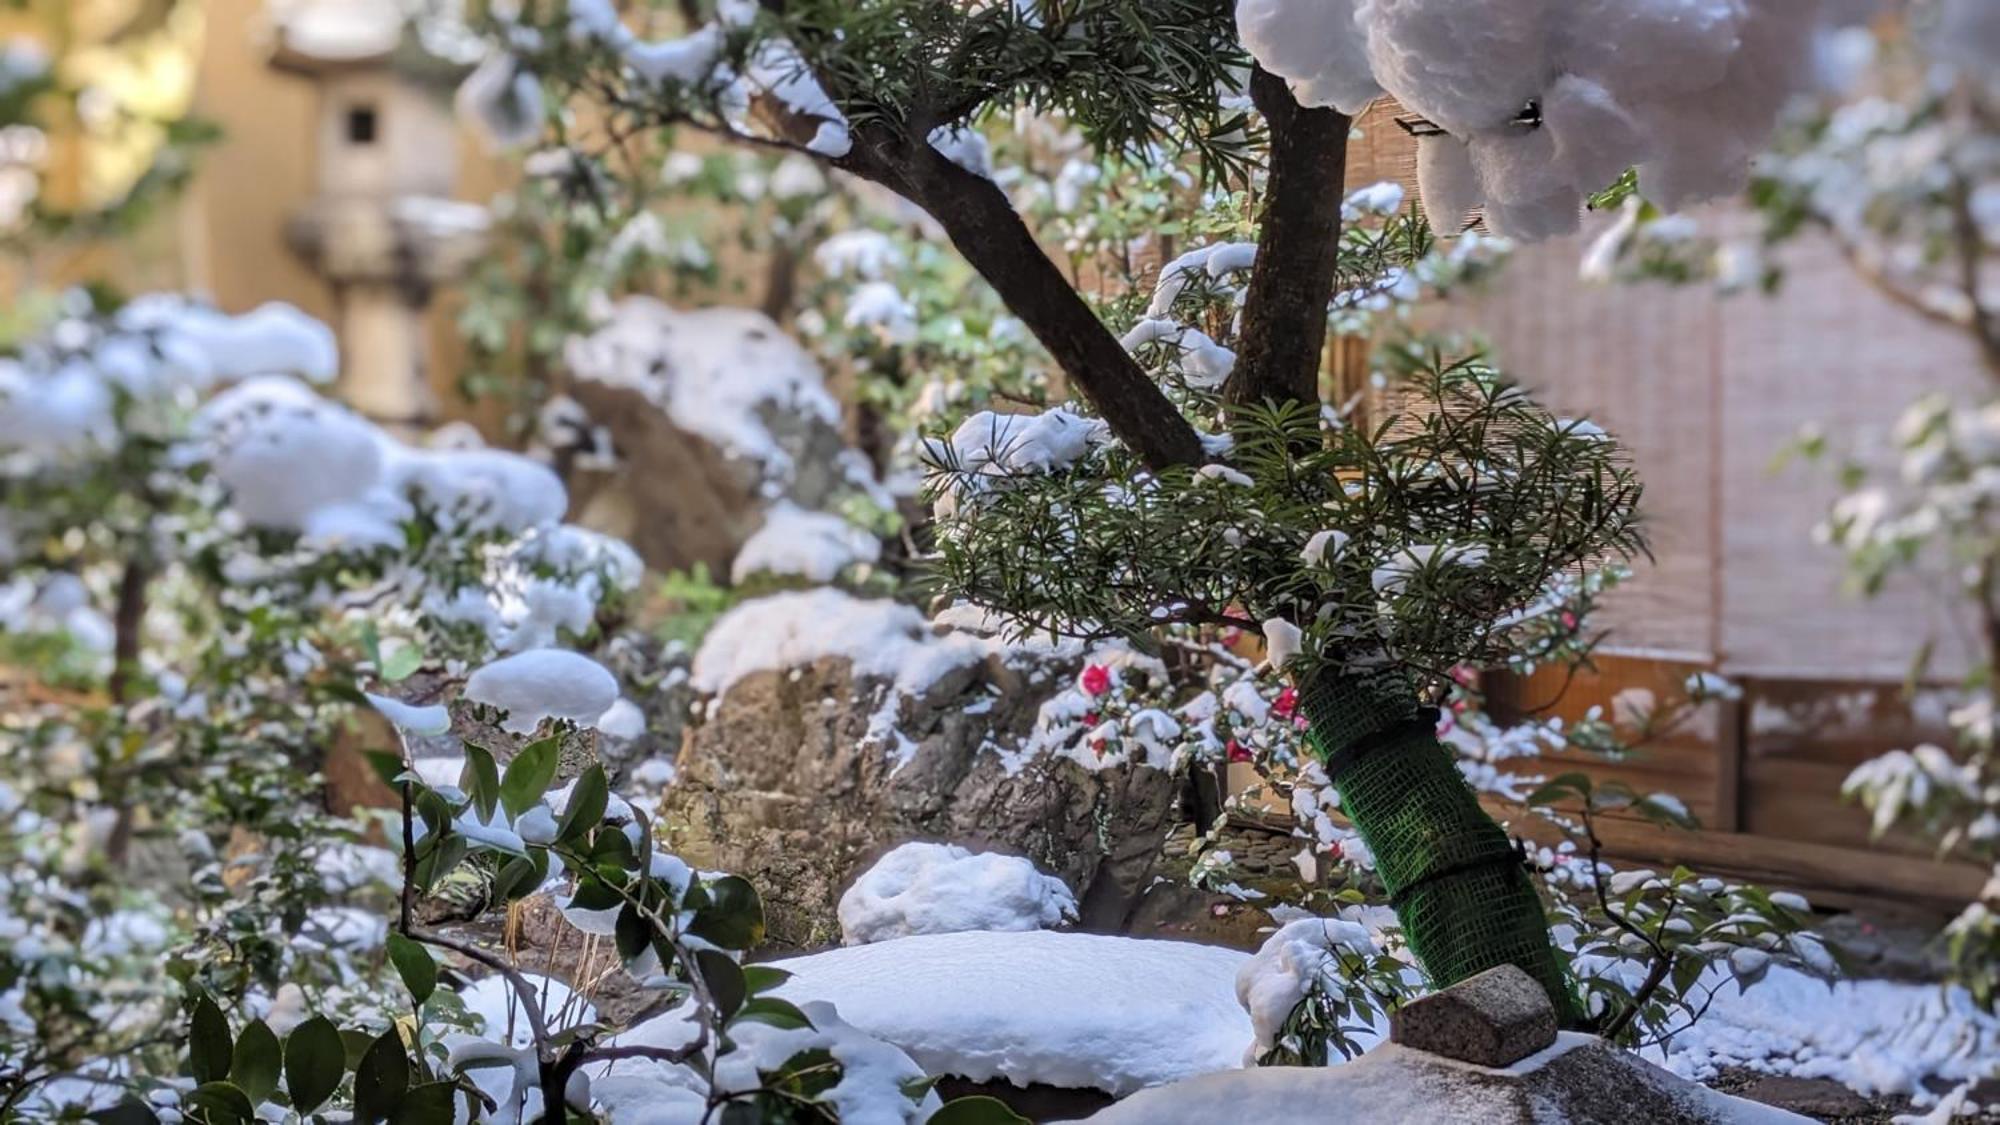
(544, 683)
(1302, 956)
(1073, 1010)
(716, 372)
(885, 639)
(923, 888)
(794, 542)
(873, 1074)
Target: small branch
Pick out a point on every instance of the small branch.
(1663, 960)
(1298, 236)
(983, 225)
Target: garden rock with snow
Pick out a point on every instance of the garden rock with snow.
(839, 727)
(724, 425)
(1484, 1051)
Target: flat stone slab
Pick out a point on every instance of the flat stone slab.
(1581, 1080)
(1493, 1019)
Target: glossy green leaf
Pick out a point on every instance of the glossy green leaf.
(315, 1061)
(381, 1078)
(587, 803)
(208, 1042)
(415, 965)
(255, 1063)
(528, 776)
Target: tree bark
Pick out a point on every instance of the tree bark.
(1283, 335)
(983, 225)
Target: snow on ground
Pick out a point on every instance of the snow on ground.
(544, 683)
(921, 888)
(1072, 1010)
(1874, 1036)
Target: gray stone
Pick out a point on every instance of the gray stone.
(1493, 1019)
(1580, 1080)
(680, 496)
(780, 783)
(1817, 1097)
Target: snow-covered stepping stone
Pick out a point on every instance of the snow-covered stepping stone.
(1083, 1011)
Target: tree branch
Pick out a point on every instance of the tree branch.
(983, 225)
(1298, 232)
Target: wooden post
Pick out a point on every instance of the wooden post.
(1731, 735)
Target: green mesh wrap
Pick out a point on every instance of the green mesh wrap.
(1461, 914)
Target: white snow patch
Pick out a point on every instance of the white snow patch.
(794, 542)
(543, 683)
(1072, 1010)
(921, 888)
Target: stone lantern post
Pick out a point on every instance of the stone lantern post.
(382, 228)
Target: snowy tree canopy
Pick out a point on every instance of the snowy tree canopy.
(1542, 102)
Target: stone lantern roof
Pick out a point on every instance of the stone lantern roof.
(323, 37)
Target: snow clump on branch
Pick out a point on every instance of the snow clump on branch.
(1543, 102)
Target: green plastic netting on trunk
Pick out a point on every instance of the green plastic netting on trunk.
(1465, 901)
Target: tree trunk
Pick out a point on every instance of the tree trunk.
(983, 225)
(1298, 235)
(1459, 889)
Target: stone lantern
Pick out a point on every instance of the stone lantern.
(382, 228)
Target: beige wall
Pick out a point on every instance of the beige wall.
(233, 221)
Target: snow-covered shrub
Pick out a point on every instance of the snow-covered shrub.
(1317, 991)
(512, 1045)
(920, 888)
(218, 554)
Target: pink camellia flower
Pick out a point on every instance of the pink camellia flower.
(1096, 679)
(1458, 706)
(1286, 703)
(1465, 674)
(1568, 620)
(1238, 752)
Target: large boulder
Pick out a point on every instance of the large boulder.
(1580, 1080)
(716, 414)
(838, 728)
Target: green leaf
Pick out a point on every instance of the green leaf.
(631, 932)
(128, 1111)
(593, 893)
(724, 978)
(254, 1064)
(733, 917)
(402, 663)
(382, 1077)
(528, 776)
(519, 876)
(980, 1110)
(428, 1104)
(315, 1061)
(1559, 787)
(415, 965)
(208, 1042)
(587, 803)
(481, 780)
(764, 978)
(771, 1010)
(217, 1102)
(387, 765)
